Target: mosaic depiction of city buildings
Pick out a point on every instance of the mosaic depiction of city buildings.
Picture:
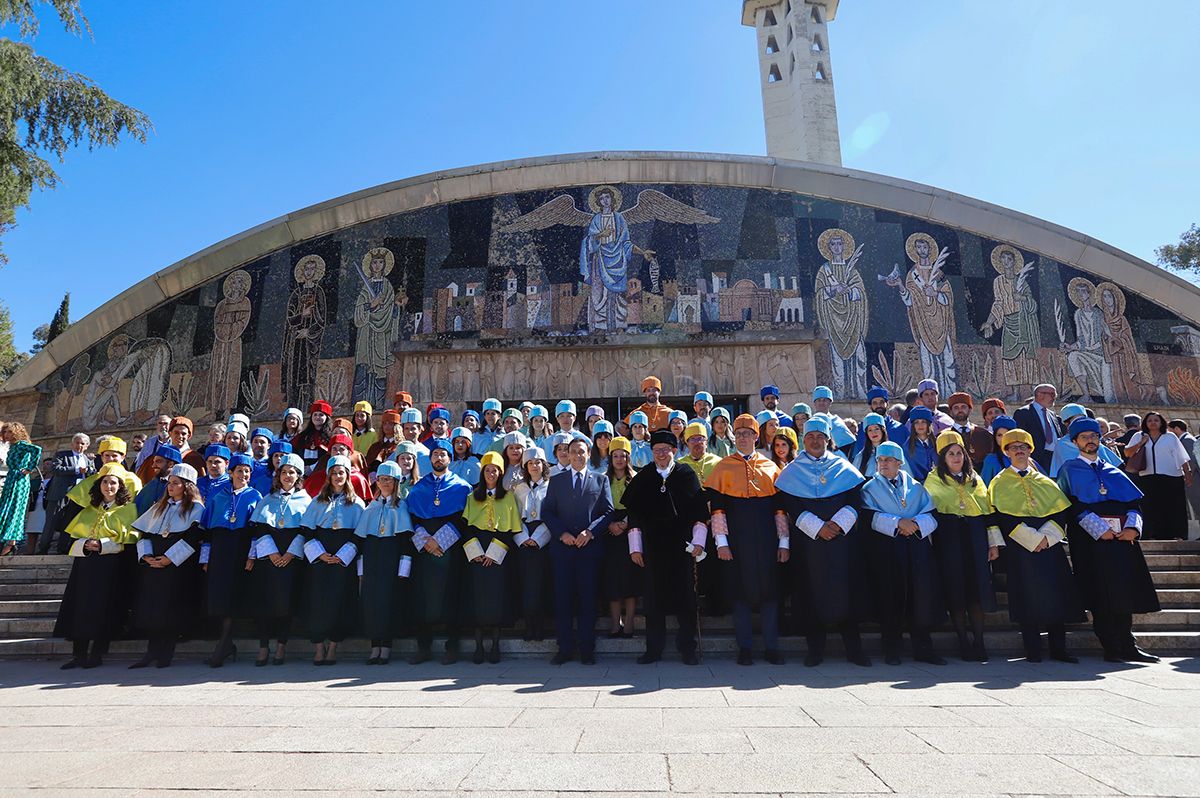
(888, 298)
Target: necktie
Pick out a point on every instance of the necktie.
(1048, 429)
(895, 482)
(578, 484)
(1023, 473)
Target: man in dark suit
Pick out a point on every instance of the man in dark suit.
(70, 466)
(1039, 420)
(578, 503)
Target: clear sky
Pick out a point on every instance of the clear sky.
(1082, 113)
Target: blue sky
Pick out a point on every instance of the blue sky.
(1079, 113)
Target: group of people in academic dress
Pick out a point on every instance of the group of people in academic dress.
(340, 529)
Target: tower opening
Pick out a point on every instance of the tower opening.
(769, 18)
(772, 45)
(773, 76)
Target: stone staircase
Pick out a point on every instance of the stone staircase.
(31, 586)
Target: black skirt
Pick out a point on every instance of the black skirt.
(830, 575)
(332, 589)
(960, 546)
(1041, 587)
(382, 587)
(93, 604)
(533, 574)
(275, 588)
(227, 576)
(619, 577)
(166, 597)
(1164, 509)
(491, 587)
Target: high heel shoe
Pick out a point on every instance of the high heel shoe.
(144, 662)
(218, 658)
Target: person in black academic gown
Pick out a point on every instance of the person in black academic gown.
(492, 519)
(385, 531)
(667, 514)
(226, 555)
(821, 494)
(1105, 524)
(435, 505)
(169, 537)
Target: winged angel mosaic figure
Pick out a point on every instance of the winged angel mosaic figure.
(606, 249)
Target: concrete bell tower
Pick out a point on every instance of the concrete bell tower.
(795, 67)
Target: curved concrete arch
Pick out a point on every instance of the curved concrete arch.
(827, 182)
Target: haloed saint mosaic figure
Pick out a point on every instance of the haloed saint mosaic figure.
(842, 311)
(306, 318)
(607, 250)
(377, 318)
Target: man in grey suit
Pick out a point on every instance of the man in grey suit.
(70, 466)
(578, 503)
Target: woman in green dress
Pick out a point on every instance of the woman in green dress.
(22, 459)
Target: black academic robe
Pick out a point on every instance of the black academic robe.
(332, 589)
(666, 520)
(1041, 587)
(1112, 575)
(832, 573)
(274, 589)
(167, 597)
(384, 593)
(438, 581)
(754, 543)
(960, 546)
(903, 574)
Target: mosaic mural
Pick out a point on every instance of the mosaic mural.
(885, 298)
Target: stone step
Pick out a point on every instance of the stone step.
(1170, 546)
(1000, 643)
(28, 607)
(1172, 562)
(13, 590)
(38, 560)
(39, 573)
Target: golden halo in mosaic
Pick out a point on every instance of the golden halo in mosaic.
(1073, 291)
(594, 198)
(910, 247)
(389, 260)
(835, 232)
(316, 262)
(236, 285)
(1118, 298)
(1018, 258)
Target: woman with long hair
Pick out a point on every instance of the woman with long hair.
(278, 541)
(619, 574)
(169, 536)
(293, 420)
(997, 460)
(784, 446)
(361, 428)
(963, 547)
(91, 611)
(329, 524)
(512, 451)
(227, 555)
(602, 435)
(801, 412)
(463, 461)
(768, 425)
(410, 468)
(532, 557)
(385, 532)
(677, 423)
(312, 443)
(874, 433)
(540, 428)
(1163, 479)
(721, 441)
(920, 453)
(21, 460)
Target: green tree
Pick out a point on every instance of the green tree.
(46, 110)
(10, 358)
(1184, 256)
(41, 337)
(61, 320)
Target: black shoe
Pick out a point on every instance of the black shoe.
(70, 665)
(493, 656)
(1033, 657)
(930, 659)
(1062, 656)
(1114, 658)
(587, 659)
(261, 662)
(450, 656)
(372, 660)
(744, 657)
(478, 657)
(163, 663)
(980, 653)
(93, 661)
(615, 634)
(649, 659)
(144, 662)
(689, 658)
(812, 660)
(1137, 655)
(891, 658)
(218, 657)
(422, 655)
(561, 658)
(861, 660)
(774, 657)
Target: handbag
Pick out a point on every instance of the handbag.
(1136, 462)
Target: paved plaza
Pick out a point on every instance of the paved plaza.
(527, 728)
